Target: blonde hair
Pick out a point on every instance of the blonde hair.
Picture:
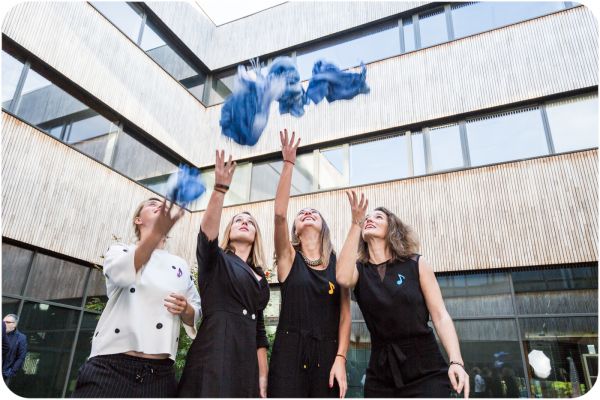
(256, 259)
(400, 239)
(325, 239)
(138, 210)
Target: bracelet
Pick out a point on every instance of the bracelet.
(356, 222)
(293, 163)
(457, 363)
(221, 186)
(343, 356)
(216, 189)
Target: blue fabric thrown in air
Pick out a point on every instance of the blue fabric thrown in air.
(329, 82)
(245, 113)
(185, 185)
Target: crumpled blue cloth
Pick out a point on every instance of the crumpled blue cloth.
(329, 82)
(245, 113)
(184, 185)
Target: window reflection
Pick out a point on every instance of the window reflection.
(11, 72)
(379, 160)
(445, 148)
(569, 133)
(432, 27)
(125, 17)
(265, 178)
(333, 168)
(222, 86)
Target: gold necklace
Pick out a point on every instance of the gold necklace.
(312, 263)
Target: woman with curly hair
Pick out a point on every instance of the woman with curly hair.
(397, 291)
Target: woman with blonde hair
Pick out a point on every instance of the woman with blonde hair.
(228, 358)
(397, 291)
(150, 292)
(309, 352)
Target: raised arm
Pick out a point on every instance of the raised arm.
(444, 327)
(346, 273)
(284, 252)
(223, 176)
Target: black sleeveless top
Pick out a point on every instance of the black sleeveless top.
(394, 308)
(310, 300)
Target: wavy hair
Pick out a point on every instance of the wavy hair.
(257, 255)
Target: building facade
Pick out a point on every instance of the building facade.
(480, 131)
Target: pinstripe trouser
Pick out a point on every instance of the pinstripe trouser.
(121, 375)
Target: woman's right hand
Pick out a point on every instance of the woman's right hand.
(224, 170)
(359, 208)
(288, 148)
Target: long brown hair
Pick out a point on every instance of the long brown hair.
(256, 259)
(400, 238)
(325, 239)
(138, 210)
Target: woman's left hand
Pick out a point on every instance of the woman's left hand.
(176, 303)
(459, 379)
(262, 386)
(338, 372)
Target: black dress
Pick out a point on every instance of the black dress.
(405, 358)
(306, 341)
(222, 360)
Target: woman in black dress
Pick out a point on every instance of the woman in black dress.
(396, 291)
(228, 358)
(309, 352)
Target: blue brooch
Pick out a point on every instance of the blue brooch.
(400, 280)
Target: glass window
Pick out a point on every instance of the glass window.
(91, 135)
(137, 161)
(50, 332)
(82, 349)
(508, 136)
(418, 149)
(565, 342)
(573, 123)
(56, 280)
(378, 160)
(349, 51)
(96, 292)
(265, 178)
(239, 190)
(15, 266)
(11, 73)
(332, 168)
(432, 28)
(556, 290)
(472, 18)
(166, 55)
(208, 176)
(476, 294)
(490, 348)
(409, 34)
(445, 148)
(358, 356)
(125, 17)
(222, 86)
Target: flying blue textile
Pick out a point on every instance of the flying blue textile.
(185, 185)
(245, 113)
(329, 82)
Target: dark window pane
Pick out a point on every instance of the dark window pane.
(83, 348)
(358, 355)
(222, 86)
(332, 168)
(508, 136)
(166, 55)
(137, 161)
(574, 123)
(565, 342)
(56, 280)
(10, 306)
(445, 148)
(11, 72)
(265, 177)
(348, 51)
(50, 332)
(379, 160)
(432, 27)
(418, 150)
(91, 135)
(128, 19)
(471, 18)
(96, 292)
(409, 34)
(476, 294)
(492, 346)
(15, 265)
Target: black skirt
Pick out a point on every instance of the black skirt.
(121, 375)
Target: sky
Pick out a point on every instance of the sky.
(223, 11)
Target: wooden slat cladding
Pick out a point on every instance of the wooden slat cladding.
(544, 56)
(56, 198)
(533, 212)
